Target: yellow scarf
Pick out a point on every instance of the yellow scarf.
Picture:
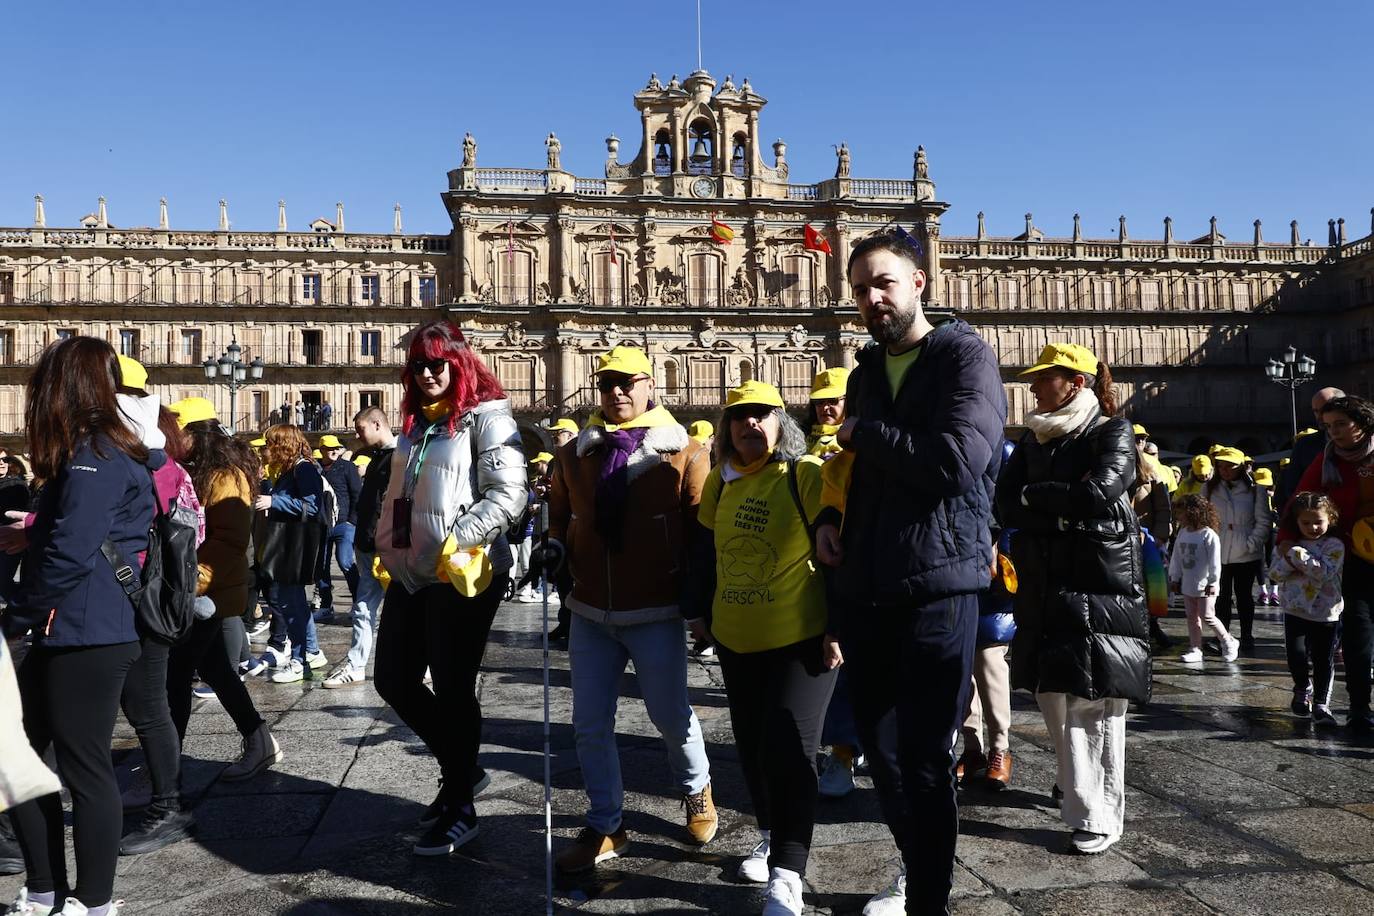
(658, 416)
(437, 410)
(823, 429)
(744, 470)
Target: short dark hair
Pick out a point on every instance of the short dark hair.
(1360, 411)
(885, 241)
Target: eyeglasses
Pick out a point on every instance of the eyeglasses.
(608, 383)
(435, 366)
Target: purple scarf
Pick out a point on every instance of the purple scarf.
(613, 483)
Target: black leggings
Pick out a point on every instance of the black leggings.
(1357, 631)
(144, 701)
(777, 707)
(204, 650)
(438, 628)
(1308, 638)
(1240, 578)
(70, 700)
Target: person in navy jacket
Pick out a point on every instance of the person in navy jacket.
(84, 636)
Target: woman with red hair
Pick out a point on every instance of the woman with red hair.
(457, 482)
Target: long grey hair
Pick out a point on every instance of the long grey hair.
(791, 440)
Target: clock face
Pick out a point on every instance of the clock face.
(703, 187)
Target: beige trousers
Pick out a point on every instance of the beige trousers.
(989, 699)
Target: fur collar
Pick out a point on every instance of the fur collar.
(658, 441)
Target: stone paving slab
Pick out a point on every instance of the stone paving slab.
(1233, 807)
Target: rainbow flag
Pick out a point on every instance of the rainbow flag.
(1156, 578)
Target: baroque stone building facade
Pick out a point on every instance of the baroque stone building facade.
(545, 269)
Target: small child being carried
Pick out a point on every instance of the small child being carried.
(1195, 572)
(1309, 577)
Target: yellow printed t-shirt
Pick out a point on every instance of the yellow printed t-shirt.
(769, 592)
(898, 366)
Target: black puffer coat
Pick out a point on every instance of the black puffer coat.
(1082, 626)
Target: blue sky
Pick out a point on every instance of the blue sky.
(1244, 110)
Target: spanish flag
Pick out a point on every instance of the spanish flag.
(721, 234)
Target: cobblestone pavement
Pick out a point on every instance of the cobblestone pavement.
(1233, 807)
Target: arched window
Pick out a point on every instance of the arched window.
(513, 270)
(672, 380)
(703, 280)
(663, 153)
(703, 148)
(738, 155)
(796, 283)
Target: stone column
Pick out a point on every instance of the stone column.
(560, 285)
(467, 258)
(934, 279)
(567, 368)
(839, 286)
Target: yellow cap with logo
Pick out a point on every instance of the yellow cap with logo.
(701, 430)
(316, 455)
(829, 383)
(541, 458)
(1139, 430)
(566, 424)
(1264, 477)
(192, 410)
(753, 392)
(629, 360)
(469, 570)
(330, 441)
(361, 461)
(1230, 455)
(132, 374)
(1065, 356)
(1202, 466)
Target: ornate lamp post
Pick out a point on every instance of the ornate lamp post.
(1291, 372)
(233, 372)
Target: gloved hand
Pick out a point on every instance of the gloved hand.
(545, 562)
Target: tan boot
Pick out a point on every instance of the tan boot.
(591, 848)
(999, 770)
(702, 821)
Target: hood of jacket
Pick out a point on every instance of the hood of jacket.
(140, 415)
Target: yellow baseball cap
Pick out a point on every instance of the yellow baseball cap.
(1284, 462)
(132, 374)
(1230, 455)
(566, 424)
(829, 383)
(629, 360)
(1202, 466)
(362, 461)
(1139, 430)
(470, 571)
(701, 430)
(259, 442)
(316, 455)
(192, 410)
(1304, 432)
(1065, 356)
(330, 440)
(753, 392)
(1264, 477)
(544, 457)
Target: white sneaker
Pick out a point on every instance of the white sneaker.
(260, 751)
(784, 894)
(344, 676)
(289, 673)
(204, 691)
(837, 779)
(529, 596)
(891, 901)
(754, 868)
(73, 907)
(261, 630)
(270, 658)
(139, 795)
(316, 659)
(1230, 651)
(23, 906)
(1192, 655)
(1092, 843)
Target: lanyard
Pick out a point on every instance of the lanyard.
(415, 461)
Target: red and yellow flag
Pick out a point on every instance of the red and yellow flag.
(721, 234)
(814, 241)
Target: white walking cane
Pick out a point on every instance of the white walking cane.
(543, 525)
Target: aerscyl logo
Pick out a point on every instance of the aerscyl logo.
(85, 467)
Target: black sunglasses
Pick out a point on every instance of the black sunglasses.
(435, 366)
(608, 383)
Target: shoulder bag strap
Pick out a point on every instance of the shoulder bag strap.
(795, 490)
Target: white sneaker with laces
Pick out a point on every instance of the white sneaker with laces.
(1192, 655)
(73, 907)
(344, 676)
(270, 658)
(23, 906)
(289, 673)
(260, 751)
(260, 631)
(891, 901)
(784, 894)
(1230, 651)
(316, 659)
(837, 779)
(754, 868)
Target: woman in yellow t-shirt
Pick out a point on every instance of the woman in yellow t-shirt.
(767, 616)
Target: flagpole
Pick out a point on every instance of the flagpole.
(698, 34)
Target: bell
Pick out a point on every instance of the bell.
(700, 153)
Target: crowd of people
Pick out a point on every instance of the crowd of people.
(875, 581)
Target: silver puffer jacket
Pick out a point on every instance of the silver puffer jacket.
(451, 496)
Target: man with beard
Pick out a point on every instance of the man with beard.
(910, 551)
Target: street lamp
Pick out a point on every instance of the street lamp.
(231, 370)
(1291, 372)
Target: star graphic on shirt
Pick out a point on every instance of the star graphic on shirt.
(747, 559)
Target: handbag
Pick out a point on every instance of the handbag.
(1156, 579)
(23, 775)
(289, 548)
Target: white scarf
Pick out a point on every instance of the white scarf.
(1055, 423)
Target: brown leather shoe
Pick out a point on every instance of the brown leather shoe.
(590, 848)
(999, 770)
(702, 822)
(970, 765)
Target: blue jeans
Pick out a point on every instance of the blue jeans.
(598, 653)
(295, 621)
(367, 605)
(341, 541)
(840, 727)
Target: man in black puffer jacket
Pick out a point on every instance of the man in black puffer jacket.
(911, 552)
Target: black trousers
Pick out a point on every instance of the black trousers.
(777, 707)
(1240, 578)
(70, 700)
(438, 628)
(1306, 639)
(1357, 631)
(144, 701)
(909, 672)
(206, 651)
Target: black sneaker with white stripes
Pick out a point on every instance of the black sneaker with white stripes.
(454, 827)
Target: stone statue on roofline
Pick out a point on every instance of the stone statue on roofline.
(554, 149)
(654, 84)
(469, 151)
(922, 167)
(842, 163)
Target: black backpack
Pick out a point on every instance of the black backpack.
(164, 595)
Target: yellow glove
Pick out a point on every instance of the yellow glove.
(468, 570)
(380, 574)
